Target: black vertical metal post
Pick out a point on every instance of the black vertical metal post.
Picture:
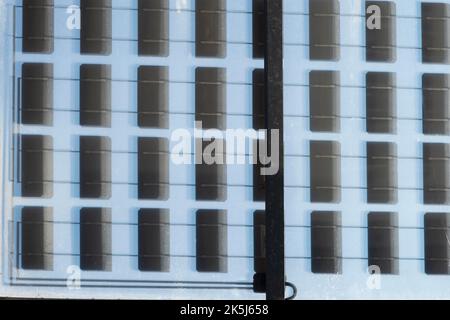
(275, 277)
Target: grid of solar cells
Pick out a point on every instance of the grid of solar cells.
(366, 140)
(366, 148)
(94, 186)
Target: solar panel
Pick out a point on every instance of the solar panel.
(225, 149)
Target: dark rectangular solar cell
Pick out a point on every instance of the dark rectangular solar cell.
(325, 166)
(435, 32)
(211, 97)
(154, 240)
(95, 239)
(437, 243)
(436, 173)
(210, 28)
(381, 40)
(259, 28)
(382, 172)
(37, 238)
(259, 100)
(436, 104)
(381, 102)
(211, 171)
(153, 168)
(96, 27)
(326, 242)
(153, 97)
(37, 94)
(95, 95)
(95, 167)
(37, 26)
(383, 241)
(259, 241)
(259, 180)
(324, 30)
(211, 244)
(37, 166)
(153, 28)
(324, 101)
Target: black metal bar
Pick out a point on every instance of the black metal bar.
(275, 278)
